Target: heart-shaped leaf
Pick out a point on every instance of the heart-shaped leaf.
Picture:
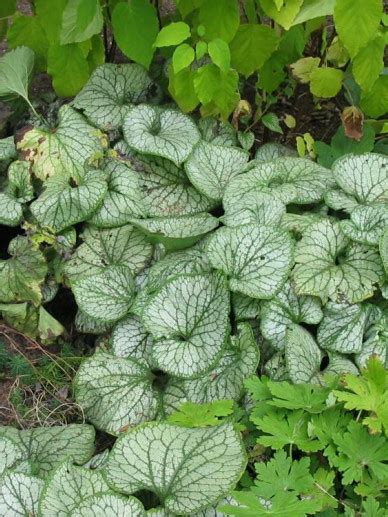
(19, 494)
(256, 259)
(383, 248)
(204, 464)
(255, 208)
(87, 325)
(7, 148)
(188, 319)
(110, 504)
(115, 393)
(366, 224)
(130, 340)
(16, 69)
(303, 356)
(11, 211)
(19, 181)
(10, 454)
(111, 90)
(271, 151)
(166, 133)
(217, 131)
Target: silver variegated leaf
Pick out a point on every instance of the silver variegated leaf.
(375, 346)
(11, 211)
(7, 148)
(106, 296)
(257, 208)
(338, 200)
(166, 133)
(217, 132)
(110, 505)
(19, 181)
(276, 368)
(61, 205)
(19, 494)
(338, 365)
(383, 248)
(329, 267)
(115, 393)
(244, 307)
(299, 223)
(189, 321)
(130, 340)
(124, 246)
(199, 465)
(211, 167)
(111, 90)
(270, 151)
(303, 355)
(10, 454)
(87, 325)
(366, 224)
(285, 308)
(256, 259)
(65, 151)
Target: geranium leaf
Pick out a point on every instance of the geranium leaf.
(256, 259)
(111, 90)
(188, 319)
(115, 393)
(210, 167)
(130, 340)
(285, 308)
(62, 205)
(215, 454)
(329, 267)
(66, 150)
(19, 494)
(110, 504)
(166, 133)
(366, 224)
(255, 208)
(22, 275)
(106, 296)
(80, 484)
(124, 246)
(303, 356)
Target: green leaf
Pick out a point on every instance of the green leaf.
(166, 133)
(111, 90)
(62, 205)
(172, 34)
(369, 62)
(7, 8)
(349, 14)
(16, 68)
(220, 53)
(366, 224)
(329, 267)
(326, 82)
(210, 167)
(284, 16)
(213, 454)
(183, 57)
(69, 68)
(106, 296)
(66, 150)
(49, 14)
(130, 340)
(252, 46)
(22, 275)
(312, 9)
(11, 211)
(189, 337)
(221, 19)
(303, 356)
(285, 308)
(181, 88)
(115, 393)
(81, 19)
(257, 260)
(19, 494)
(271, 121)
(47, 447)
(201, 415)
(110, 504)
(28, 31)
(310, 398)
(123, 246)
(80, 484)
(135, 27)
(304, 67)
(374, 103)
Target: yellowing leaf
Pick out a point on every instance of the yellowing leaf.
(304, 67)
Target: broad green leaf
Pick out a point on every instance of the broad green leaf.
(62, 205)
(181, 88)
(130, 340)
(311, 9)
(183, 57)
(11, 211)
(19, 494)
(220, 54)
(290, 180)
(342, 327)
(68, 487)
(166, 133)
(285, 308)
(203, 464)
(284, 16)
(22, 275)
(115, 393)
(135, 27)
(303, 356)
(69, 68)
(28, 31)
(7, 148)
(257, 260)
(374, 102)
(225, 380)
(304, 67)
(271, 121)
(270, 151)
(328, 266)
(81, 19)
(123, 199)
(16, 68)
(351, 14)
(111, 90)
(123, 246)
(172, 34)
(254, 208)
(47, 447)
(210, 167)
(369, 62)
(10, 454)
(217, 90)
(177, 232)
(105, 296)
(165, 189)
(246, 139)
(217, 132)
(64, 150)
(366, 224)
(326, 82)
(8, 7)
(188, 337)
(221, 19)
(50, 14)
(252, 46)
(19, 181)
(109, 504)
